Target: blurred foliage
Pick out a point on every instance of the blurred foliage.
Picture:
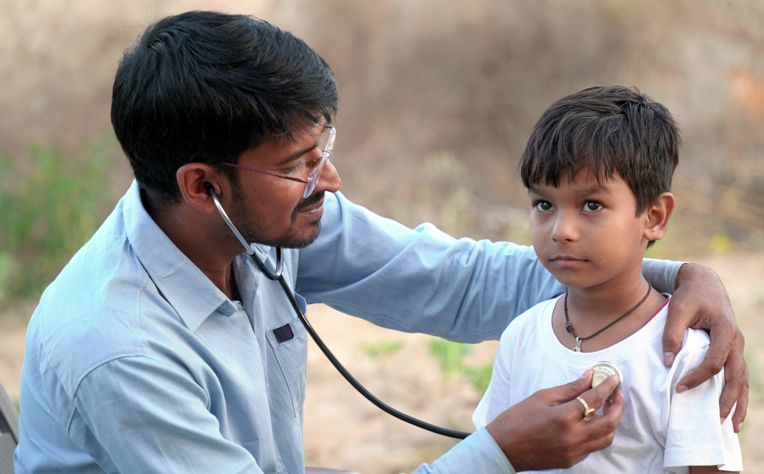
(450, 356)
(377, 349)
(49, 213)
(479, 376)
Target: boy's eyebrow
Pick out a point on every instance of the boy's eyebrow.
(595, 190)
(598, 189)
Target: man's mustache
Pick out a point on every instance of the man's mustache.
(308, 201)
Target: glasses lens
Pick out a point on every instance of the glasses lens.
(325, 144)
(323, 140)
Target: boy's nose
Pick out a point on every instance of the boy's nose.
(565, 229)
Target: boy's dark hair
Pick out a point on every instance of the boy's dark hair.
(207, 87)
(605, 130)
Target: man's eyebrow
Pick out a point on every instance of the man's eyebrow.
(296, 155)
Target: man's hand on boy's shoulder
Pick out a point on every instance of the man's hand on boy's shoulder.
(701, 302)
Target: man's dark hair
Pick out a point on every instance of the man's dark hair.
(605, 130)
(206, 87)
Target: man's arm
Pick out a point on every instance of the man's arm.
(425, 281)
(419, 280)
(150, 417)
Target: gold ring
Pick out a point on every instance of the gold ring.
(588, 412)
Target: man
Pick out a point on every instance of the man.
(162, 348)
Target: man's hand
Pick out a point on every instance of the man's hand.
(547, 430)
(701, 302)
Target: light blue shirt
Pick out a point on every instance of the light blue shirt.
(137, 363)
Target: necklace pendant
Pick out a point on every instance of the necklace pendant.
(578, 345)
(569, 327)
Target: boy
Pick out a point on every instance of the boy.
(598, 169)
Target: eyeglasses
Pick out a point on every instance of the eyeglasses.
(325, 142)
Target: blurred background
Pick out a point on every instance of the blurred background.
(437, 101)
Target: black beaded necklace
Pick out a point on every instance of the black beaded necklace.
(569, 325)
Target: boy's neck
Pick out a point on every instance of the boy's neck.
(591, 309)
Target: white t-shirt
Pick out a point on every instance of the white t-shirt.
(660, 430)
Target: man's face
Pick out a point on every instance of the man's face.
(272, 211)
(585, 232)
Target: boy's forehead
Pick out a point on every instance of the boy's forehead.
(585, 178)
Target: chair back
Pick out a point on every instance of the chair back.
(9, 432)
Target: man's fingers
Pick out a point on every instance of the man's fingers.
(601, 429)
(538, 434)
(712, 364)
(741, 409)
(596, 396)
(736, 386)
(681, 318)
(569, 391)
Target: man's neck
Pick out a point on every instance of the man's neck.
(195, 234)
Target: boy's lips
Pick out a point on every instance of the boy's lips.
(567, 261)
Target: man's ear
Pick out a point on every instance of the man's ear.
(657, 217)
(192, 179)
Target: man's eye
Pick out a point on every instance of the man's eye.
(543, 206)
(313, 163)
(592, 206)
(291, 169)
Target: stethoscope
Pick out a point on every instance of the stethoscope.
(260, 259)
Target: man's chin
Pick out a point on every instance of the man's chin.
(307, 237)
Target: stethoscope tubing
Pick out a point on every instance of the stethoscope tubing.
(277, 275)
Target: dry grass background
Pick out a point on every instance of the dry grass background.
(437, 101)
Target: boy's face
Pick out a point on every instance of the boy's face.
(586, 232)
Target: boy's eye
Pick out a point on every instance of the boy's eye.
(543, 206)
(592, 206)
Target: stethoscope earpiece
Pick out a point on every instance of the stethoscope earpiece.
(209, 188)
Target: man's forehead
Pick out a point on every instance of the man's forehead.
(284, 147)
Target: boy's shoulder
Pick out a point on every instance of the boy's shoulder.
(694, 347)
(530, 320)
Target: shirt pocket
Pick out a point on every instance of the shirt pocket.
(289, 345)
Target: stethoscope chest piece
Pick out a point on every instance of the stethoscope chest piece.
(603, 370)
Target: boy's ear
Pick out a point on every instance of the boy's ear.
(658, 216)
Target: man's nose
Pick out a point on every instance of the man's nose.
(565, 228)
(329, 180)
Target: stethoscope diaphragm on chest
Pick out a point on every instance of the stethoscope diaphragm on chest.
(603, 370)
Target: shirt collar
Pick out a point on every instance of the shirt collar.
(183, 285)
